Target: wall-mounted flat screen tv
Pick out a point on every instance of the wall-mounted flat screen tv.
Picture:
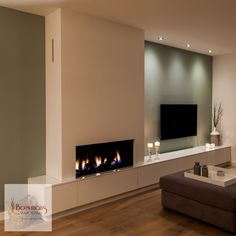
(178, 120)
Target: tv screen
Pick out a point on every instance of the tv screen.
(178, 120)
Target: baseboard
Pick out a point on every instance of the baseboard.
(105, 201)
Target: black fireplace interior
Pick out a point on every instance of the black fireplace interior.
(100, 157)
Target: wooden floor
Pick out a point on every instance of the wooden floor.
(139, 215)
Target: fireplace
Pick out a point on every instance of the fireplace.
(100, 157)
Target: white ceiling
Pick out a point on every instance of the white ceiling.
(205, 24)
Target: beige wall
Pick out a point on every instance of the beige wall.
(102, 82)
(224, 91)
(53, 96)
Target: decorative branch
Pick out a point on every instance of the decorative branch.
(217, 113)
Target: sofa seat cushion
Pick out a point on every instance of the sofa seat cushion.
(212, 195)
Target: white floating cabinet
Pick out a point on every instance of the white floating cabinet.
(79, 192)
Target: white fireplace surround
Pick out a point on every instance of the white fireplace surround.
(94, 87)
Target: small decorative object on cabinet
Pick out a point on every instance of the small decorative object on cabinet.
(197, 168)
(204, 171)
(210, 146)
(216, 117)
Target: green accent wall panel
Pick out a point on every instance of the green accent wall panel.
(22, 97)
(176, 76)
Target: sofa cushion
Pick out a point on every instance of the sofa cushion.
(212, 195)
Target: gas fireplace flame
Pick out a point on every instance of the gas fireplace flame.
(117, 157)
(84, 163)
(98, 161)
(77, 165)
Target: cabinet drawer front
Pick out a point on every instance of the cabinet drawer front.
(107, 185)
(64, 197)
(151, 174)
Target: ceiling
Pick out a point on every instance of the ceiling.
(205, 24)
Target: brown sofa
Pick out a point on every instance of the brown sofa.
(209, 203)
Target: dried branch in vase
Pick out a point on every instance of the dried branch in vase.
(217, 113)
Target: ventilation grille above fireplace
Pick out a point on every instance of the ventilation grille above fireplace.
(100, 157)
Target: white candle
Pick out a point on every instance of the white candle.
(157, 144)
(150, 145)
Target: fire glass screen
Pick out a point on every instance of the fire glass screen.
(100, 157)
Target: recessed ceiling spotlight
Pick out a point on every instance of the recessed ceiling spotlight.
(188, 45)
(210, 51)
(160, 38)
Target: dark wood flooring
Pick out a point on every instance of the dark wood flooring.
(140, 215)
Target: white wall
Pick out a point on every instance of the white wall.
(224, 91)
(102, 85)
(53, 96)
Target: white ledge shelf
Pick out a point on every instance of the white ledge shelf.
(177, 154)
(44, 179)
